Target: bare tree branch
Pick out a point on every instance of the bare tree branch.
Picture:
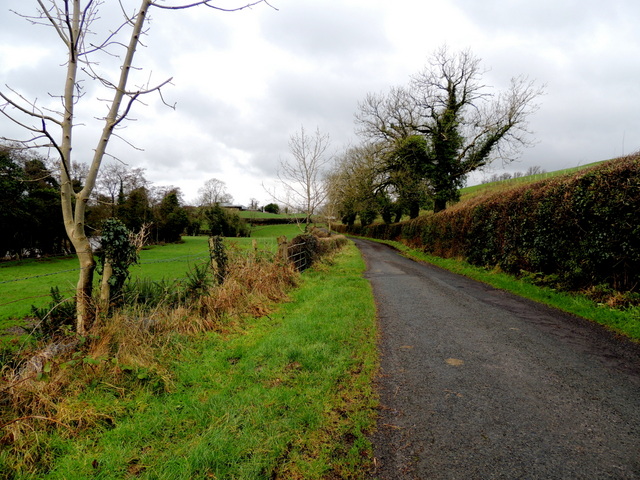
(207, 3)
(30, 113)
(303, 178)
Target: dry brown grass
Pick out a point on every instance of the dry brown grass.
(126, 351)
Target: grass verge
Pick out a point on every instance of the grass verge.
(284, 396)
(624, 322)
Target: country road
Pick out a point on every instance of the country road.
(476, 383)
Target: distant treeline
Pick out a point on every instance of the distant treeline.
(30, 212)
(31, 215)
(499, 177)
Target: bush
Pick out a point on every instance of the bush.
(272, 208)
(58, 317)
(223, 222)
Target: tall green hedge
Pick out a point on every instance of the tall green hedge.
(581, 230)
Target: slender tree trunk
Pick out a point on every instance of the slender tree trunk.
(105, 286)
(74, 224)
(74, 213)
(84, 305)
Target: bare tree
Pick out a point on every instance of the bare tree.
(72, 21)
(302, 178)
(253, 203)
(116, 179)
(213, 192)
(535, 170)
(355, 183)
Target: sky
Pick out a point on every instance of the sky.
(243, 83)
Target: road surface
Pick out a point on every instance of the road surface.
(476, 383)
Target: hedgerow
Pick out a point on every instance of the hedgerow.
(575, 231)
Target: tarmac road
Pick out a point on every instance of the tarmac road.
(477, 383)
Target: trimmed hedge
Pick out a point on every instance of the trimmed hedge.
(575, 231)
(272, 221)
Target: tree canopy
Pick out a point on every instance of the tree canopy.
(447, 123)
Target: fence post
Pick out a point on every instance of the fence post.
(283, 250)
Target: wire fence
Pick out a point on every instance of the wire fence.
(299, 256)
(32, 290)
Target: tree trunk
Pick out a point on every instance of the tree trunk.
(414, 210)
(105, 286)
(439, 204)
(84, 307)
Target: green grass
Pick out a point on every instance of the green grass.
(625, 322)
(28, 282)
(469, 192)
(283, 216)
(275, 231)
(287, 396)
(34, 278)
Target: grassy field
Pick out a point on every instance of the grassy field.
(28, 282)
(285, 396)
(469, 192)
(249, 215)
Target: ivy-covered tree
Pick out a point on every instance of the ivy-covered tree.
(465, 125)
(117, 253)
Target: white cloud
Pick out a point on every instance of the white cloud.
(243, 82)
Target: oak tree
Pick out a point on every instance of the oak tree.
(464, 123)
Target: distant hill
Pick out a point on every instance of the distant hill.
(485, 188)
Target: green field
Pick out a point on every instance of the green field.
(288, 395)
(249, 215)
(28, 282)
(469, 192)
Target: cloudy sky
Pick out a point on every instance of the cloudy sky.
(244, 82)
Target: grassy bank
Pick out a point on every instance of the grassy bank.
(284, 396)
(625, 322)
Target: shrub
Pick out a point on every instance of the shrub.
(58, 317)
(223, 222)
(272, 208)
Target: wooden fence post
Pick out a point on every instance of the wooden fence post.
(283, 250)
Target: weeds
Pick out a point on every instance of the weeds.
(284, 396)
(58, 317)
(129, 352)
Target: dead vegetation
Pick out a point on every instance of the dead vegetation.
(43, 390)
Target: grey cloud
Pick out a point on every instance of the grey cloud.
(326, 29)
(547, 19)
